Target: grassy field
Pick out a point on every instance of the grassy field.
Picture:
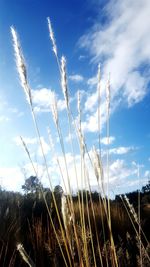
(48, 227)
(27, 234)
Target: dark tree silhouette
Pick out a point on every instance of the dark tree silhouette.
(146, 188)
(31, 185)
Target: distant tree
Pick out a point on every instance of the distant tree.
(32, 185)
(95, 196)
(146, 188)
(58, 190)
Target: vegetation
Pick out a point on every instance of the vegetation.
(47, 227)
(24, 220)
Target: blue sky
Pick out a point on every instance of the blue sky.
(88, 33)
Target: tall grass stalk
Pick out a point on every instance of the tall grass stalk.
(83, 180)
(134, 221)
(58, 128)
(95, 226)
(52, 38)
(25, 256)
(23, 78)
(64, 85)
(45, 201)
(114, 256)
(68, 228)
(139, 216)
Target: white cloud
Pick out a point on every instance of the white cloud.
(132, 92)
(19, 174)
(45, 147)
(90, 123)
(27, 140)
(124, 45)
(16, 112)
(91, 102)
(82, 57)
(121, 174)
(121, 150)
(42, 99)
(4, 118)
(92, 81)
(118, 170)
(104, 140)
(9, 174)
(76, 78)
(147, 174)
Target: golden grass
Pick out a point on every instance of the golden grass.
(82, 224)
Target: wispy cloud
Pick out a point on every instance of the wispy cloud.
(16, 112)
(42, 100)
(119, 170)
(45, 147)
(147, 174)
(90, 123)
(76, 78)
(82, 57)
(7, 110)
(91, 102)
(104, 140)
(27, 140)
(6, 178)
(34, 142)
(4, 118)
(121, 150)
(122, 45)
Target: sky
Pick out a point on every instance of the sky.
(114, 34)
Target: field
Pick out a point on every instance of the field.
(53, 226)
(27, 234)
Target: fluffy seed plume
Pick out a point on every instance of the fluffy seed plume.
(24, 255)
(81, 138)
(67, 218)
(79, 103)
(20, 63)
(64, 80)
(50, 139)
(98, 169)
(132, 210)
(108, 93)
(51, 35)
(98, 77)
(54, 108)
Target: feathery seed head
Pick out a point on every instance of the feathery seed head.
(96, 163)
(79, 102)
(98, 168)
(98, 81)
(20, 63)
(108, 92)
(64, 210)
(54, 108)
(24, 255)
(52, 38)
(64, 80)
(81, 137)
(50, 139)
(132, 210)
(82, 142)
(99, 75)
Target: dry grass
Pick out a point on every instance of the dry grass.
(81, 232)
